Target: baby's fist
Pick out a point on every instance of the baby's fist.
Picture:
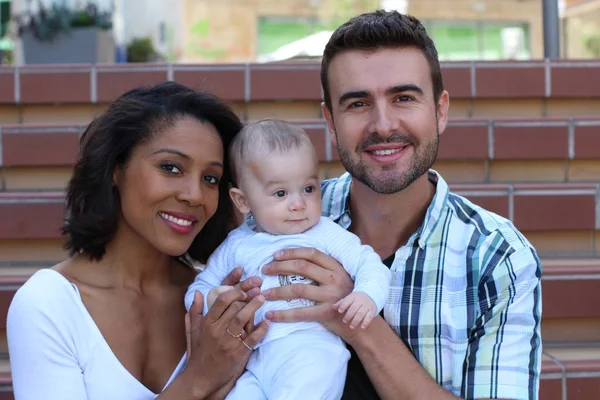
(360, 309)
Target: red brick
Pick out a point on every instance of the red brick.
(227, 82)
(570, 298)
(550, 389)
(41, 220)
(7, 85)
(55, 85)
(318, 137)
(457, 81)
(587, 142)
(507, 82)
(531, 142)
(554, 212)
(495, 204)
(583, 388)
(114, 81)
(39, 149)
(575, 81)
(464, 142)
(285, 82)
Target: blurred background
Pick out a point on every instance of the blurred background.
(223, 31)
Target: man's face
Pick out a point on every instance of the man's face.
(384, 118)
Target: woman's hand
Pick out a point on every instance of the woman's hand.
(332, 284)
(251, 285)
(218, 347)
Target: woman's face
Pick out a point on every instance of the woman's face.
(170, 186)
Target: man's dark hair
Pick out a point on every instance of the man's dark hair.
(93, 205)
(377, 30)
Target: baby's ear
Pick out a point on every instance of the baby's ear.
(239, 199)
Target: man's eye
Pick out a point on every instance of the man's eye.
(403, 99)
(357, 104)
(280, 193)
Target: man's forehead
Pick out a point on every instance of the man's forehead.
(381, 69)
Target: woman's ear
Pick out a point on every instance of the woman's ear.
(239, 199)
(115, 176)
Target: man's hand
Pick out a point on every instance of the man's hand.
(332, 283)
(359, 309)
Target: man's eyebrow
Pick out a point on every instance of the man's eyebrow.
(358, 94)
(404, 88)
(361, 94)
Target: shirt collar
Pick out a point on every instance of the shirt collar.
(337, 202)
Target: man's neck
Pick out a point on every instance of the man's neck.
(386, 222)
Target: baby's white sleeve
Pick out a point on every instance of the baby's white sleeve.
(370, 275)
(219, 265)
(43, 357)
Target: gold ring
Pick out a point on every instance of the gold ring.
(232, 335)
(248, 347)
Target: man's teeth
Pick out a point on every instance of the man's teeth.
(178, 221)
(386, 152)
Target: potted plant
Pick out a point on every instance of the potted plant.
(61, 35)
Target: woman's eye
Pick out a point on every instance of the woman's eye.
(280, 193)
(171, 168)
(213, 180)
(309, 189)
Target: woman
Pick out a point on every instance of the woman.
(150, 186)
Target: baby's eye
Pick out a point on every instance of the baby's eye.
(309, 189)
(280, 193)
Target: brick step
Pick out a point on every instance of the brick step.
(252, 82)
(498, 139)
(34, 218)
(570, 372)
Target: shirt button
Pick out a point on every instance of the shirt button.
(345, 218)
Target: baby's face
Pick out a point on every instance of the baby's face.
(284, 192)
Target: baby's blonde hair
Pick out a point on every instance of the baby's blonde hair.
(259, 139)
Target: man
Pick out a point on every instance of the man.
(464, 310)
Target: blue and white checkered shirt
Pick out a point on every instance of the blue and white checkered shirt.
(465, 295)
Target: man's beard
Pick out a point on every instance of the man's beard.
(390, 180)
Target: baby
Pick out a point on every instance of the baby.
(275, 168)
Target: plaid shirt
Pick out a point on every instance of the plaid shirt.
(465, 295)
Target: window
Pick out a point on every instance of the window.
(275, 32)
(4, 16)
(480, 40)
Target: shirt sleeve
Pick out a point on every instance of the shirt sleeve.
(370, 275)
(219, 265)
(43, 357)
(503, 359)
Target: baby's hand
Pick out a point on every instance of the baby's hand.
(359, 309)
(214, 293)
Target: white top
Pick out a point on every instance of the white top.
(57, 351)
(252, 250)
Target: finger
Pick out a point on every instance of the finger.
(301, 291)
(319, 312)
(233, 278)
(358, 317)
(248, 284)
(311, 255)
(367, 320)
(351, 312)
(257, 334)
(188, 336)
(344, 304)
(222, 303)
(298, 267)
(245, 314)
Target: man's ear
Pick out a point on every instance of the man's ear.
(239, 200)
(442, 111)
(329, 120)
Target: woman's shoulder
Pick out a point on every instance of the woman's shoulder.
(46, 291)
